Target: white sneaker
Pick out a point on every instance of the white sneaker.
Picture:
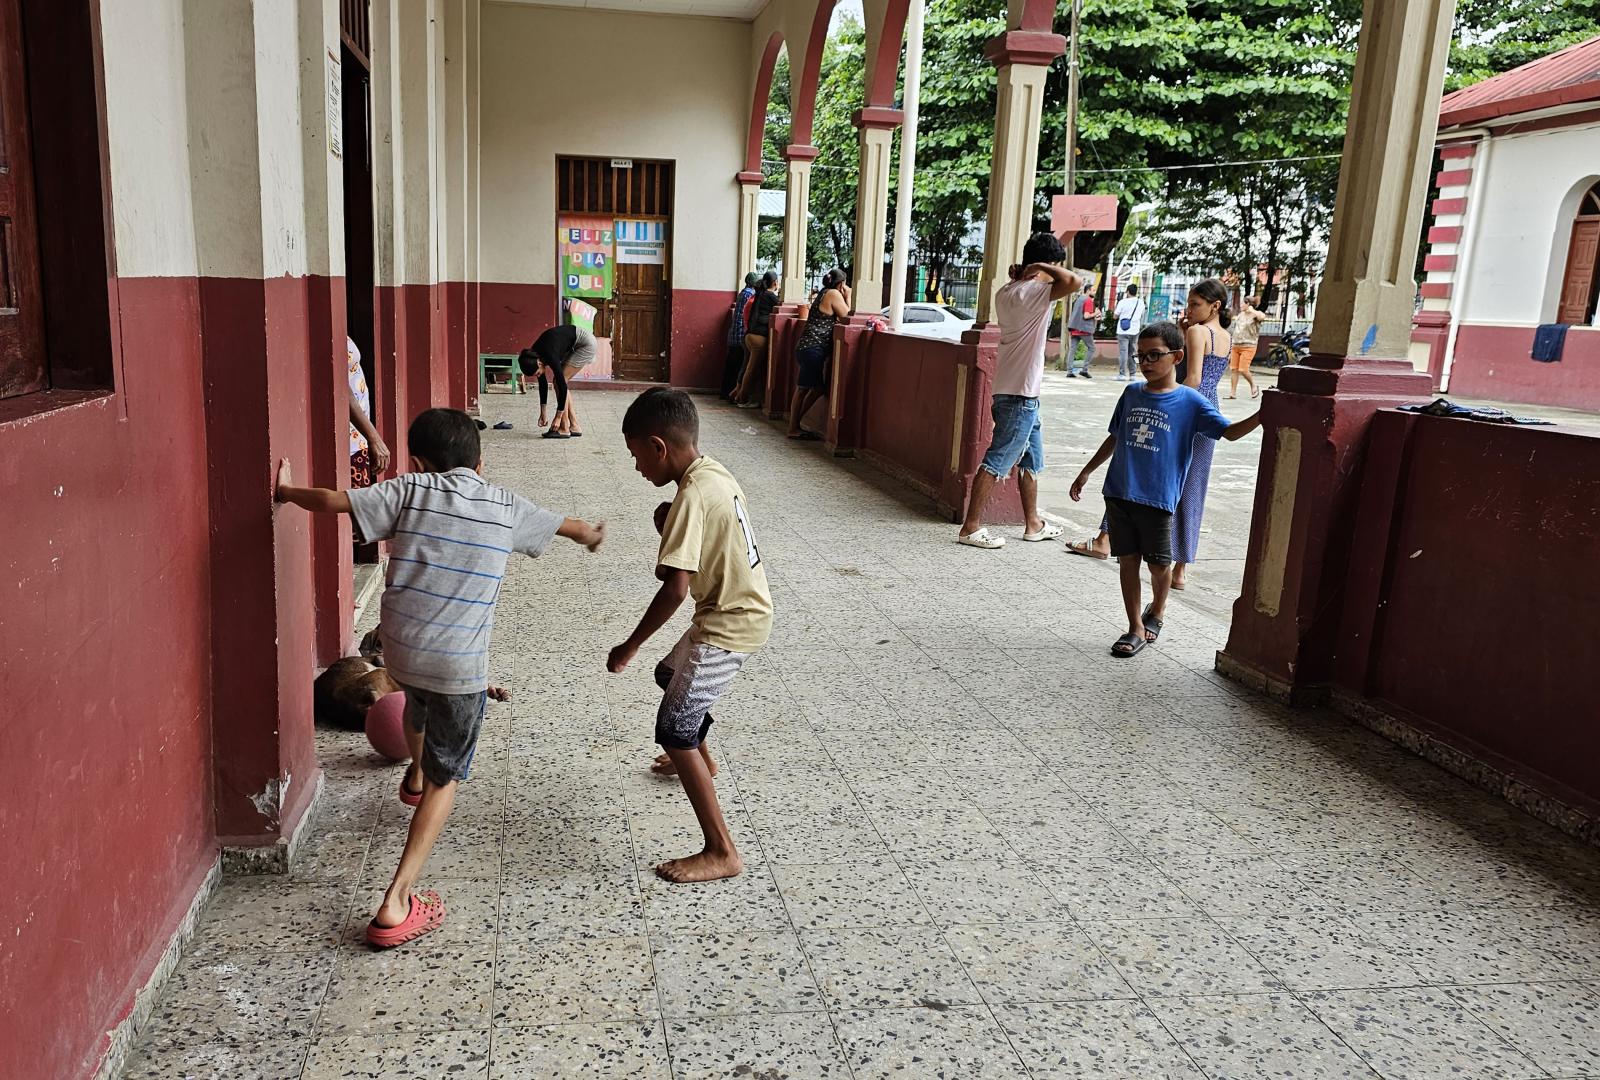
(981, 539)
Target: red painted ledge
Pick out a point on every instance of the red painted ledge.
(878, 117)
(1025, 47)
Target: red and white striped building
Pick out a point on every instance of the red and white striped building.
(1515, 242)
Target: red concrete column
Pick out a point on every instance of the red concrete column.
(974, 398)
(852, 345)
(389, 371)
(330, 464)
(455, 293)
(1285, 624)
(785, 328)
(257, 377)
(474, 342)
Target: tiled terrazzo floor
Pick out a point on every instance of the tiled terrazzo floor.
(977, 845)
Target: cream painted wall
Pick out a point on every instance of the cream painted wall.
(147, 125)
(324, 173)
(283, 179)
(617, 85)
(1526, 221)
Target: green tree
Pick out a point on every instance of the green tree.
(1493, 36)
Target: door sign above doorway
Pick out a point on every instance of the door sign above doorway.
(587, 249)
(641, 242)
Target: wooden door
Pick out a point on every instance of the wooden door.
(1579, 281)
(639, 340)
(638, 315)
(22, 363)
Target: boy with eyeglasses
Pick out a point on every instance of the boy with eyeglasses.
(1151, 440)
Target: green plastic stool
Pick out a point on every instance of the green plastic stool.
(494, 364)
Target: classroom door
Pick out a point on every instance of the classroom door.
(637, 316)
(639, 344)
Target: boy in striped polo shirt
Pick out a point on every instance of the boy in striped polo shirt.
(452, 533)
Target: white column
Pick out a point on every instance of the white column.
(454, 151)
(324, 173)
(908, 164)
(872, 205)
(474, 61)
(749, 222)
(416, 62)
(797, 221)
(388, 147)
(1365, 301)
(1023, 59)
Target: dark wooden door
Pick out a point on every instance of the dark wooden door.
(22, 364)
(639, 342)
(1579, 282)
(638, 315)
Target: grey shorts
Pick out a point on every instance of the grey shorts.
(582, 356)
(449, 724)
(692, 677)
(1137, 529)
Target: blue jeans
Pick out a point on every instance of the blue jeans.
(1018, 440)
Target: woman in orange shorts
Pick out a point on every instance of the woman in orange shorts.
(1246, 330)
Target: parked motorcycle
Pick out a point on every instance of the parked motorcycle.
(1291, 349)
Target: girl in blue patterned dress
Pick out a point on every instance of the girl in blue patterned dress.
(1205, 335)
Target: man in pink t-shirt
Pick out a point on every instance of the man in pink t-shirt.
(1022, 308)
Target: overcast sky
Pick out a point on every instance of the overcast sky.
(843, 7)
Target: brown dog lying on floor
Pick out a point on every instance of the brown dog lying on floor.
(343, 693)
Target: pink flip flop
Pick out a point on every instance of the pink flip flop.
(410, 798)
(426, 915)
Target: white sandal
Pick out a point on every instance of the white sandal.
(1049, 532)
(981, 539)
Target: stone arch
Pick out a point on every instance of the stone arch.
(804, 106)
(758, 104)
(1560, 244)
(884, 71)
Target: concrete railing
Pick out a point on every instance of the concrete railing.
(1468, 618)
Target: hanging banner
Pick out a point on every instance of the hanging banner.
(641, 241)
(580, 314)
(587, 249)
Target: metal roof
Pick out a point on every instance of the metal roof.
(1562, 78)
(770, 203)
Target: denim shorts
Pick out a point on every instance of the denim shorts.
(1018, 440)
(449, 724)
(692, 677)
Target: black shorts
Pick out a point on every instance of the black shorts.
(811, 364)
(1137, 529)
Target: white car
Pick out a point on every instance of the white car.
(935, 321)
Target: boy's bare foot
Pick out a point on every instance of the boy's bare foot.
(663, 766)
(702, 867)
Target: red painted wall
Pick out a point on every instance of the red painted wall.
(106, 821)
(909, 403)
(1442, 622)
(1493, 362)
(511, 316)
(699, 337)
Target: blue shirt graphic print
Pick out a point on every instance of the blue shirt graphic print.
(1155, 436)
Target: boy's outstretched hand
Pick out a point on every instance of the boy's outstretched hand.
(620, 657)
(597, 538)
(285, 480)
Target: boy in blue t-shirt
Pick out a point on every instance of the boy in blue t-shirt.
(1151, 441)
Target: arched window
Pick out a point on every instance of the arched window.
(1580, 284)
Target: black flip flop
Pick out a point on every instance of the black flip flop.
(577, 434)
(1152, 625)
(1135, 644)
(481, 425)
(504, 425)
(554, 435)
